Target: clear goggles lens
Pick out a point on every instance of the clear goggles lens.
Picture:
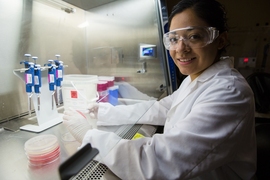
(193, 37)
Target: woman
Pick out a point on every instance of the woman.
(208, 122)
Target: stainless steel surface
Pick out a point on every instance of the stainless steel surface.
(43, 29)
(119, 25)
(13, 158)
(86, 4)
(14, 163)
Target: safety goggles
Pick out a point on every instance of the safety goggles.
(193, 37)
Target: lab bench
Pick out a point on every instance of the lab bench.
(14, 164)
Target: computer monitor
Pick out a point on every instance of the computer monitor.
(147, 51)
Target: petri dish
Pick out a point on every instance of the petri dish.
(42, 150)
(41, 144)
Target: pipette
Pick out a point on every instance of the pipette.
(59, 79)
(51, 78)
(37, 86)
(29, 80)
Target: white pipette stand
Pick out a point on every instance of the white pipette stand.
(46, 116)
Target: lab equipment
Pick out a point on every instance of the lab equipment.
(109, 94)
(29, 80)
(37, 81)
(51, 79)
(102, 89)
(38, 91)
(259, 83)
(77, 162)
(247, 62)
(194, 37)
(79, 90)
(147, 51)
(144, 68)
(42, 150)
(35, 59)
(109, 79)
(59, 79)
(113, 95)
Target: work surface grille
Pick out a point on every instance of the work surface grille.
(95, 170)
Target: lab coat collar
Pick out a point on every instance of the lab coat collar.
(224, 63)
(189, 86)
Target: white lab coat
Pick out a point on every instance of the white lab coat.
(208, 132)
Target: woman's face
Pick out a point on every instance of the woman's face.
(192, 61)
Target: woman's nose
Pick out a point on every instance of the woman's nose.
(181, 45)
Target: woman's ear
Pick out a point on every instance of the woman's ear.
(223, 40)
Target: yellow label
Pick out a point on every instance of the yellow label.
(137, 136)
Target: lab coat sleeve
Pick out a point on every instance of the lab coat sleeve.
(210, 136)
(149, 112)
(128, 91)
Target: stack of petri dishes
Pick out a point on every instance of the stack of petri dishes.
(42, 150)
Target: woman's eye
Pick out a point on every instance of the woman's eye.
(195, 37)
(173, 40)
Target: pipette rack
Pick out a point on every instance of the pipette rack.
(47, 116)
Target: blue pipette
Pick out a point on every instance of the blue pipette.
(51, 78)
(59, 78)
(37, 85)
(29, 80)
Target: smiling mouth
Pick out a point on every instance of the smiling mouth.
(186, 60)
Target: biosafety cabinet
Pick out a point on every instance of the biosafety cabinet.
(104, 38)
(120, 38)
(116, 38)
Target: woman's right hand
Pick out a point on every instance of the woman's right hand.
(92, 110)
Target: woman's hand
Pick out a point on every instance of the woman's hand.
(77, 123)
(92, 110)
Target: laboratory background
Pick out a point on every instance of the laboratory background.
(119, 40)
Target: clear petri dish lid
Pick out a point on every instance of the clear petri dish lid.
(41, 144)
(45, 155)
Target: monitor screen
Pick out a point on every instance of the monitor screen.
(147, 51)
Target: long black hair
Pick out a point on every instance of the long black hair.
(211, 11)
